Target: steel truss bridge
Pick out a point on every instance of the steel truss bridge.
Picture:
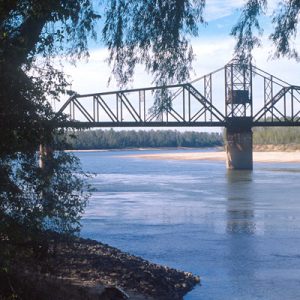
(233, 96)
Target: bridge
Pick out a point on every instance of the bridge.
(249, 98)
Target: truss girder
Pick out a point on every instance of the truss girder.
(186, 98)
(280, 107)
(192, 105)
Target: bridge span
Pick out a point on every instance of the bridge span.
(237, 97)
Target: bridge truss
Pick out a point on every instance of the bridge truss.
(250, 97)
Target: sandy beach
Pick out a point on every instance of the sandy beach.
(278, 156)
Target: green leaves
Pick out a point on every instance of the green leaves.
(32, 34)
(153, 33)
(244, 30)
(286, 21)
(38, 199)
(248, 30)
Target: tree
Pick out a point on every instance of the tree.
(32, 34)
(155, 34)
(248, 29)
(110, 139)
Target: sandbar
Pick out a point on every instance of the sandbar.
(265, 157)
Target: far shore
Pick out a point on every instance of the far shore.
(261, 153)
(256, 148)
(143, 149)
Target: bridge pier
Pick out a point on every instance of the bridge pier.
(239, 148)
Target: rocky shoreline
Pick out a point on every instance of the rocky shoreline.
(87, 269)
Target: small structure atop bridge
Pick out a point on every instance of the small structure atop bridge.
(251, 97)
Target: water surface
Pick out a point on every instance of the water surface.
(240, 231)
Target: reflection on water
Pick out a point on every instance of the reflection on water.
(240, 207)
(240, 214)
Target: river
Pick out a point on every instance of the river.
(238, 230)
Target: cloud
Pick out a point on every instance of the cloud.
(272, 5)
(211, 53)
(217, 9)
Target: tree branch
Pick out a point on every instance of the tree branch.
(26, 40)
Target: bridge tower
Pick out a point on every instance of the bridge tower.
(239, 113)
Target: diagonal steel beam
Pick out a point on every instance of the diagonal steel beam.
(106, 108)
(130, 108)
(209, 106)
(271, 104)
(83, 110)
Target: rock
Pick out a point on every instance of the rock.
(113, 293)
(91, 262)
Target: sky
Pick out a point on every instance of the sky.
(213, 48)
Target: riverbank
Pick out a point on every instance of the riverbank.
(86, 269)
(266, 157)
(140, 149)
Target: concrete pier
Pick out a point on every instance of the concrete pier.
(239, 148)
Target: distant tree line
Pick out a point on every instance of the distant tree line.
(111, 139)
(276, 135)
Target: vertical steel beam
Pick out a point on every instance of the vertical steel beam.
(70, 110)
(73, 110)
(94, 108)
(231, 87)
(140, 105)
(210, 93)
(145, 108)
(226, 92)
(142, 108)
(284, 106)
(205, 93)
(189, 99)
(183, 103)
(292, 104)
(272, 109)
(121, 106)
(117, 107)
(251, 90)
(98, 117)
